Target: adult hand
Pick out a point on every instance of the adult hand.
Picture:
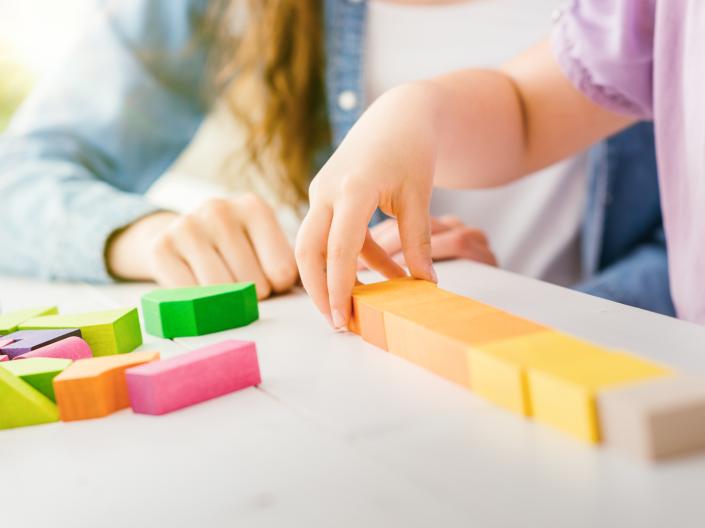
(223, 240)
(450, 239)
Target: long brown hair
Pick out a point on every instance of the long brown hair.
(269, 67)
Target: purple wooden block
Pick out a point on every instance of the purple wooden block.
(27, 340)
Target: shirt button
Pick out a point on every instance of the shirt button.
(347, 100)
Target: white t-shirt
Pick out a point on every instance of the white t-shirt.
(533, 224)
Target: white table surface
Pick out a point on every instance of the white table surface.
(343, 434)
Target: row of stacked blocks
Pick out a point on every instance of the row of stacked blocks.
(75, 367)
(590, 392)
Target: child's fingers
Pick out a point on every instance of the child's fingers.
(310, 253)
(415, 234)
(376, 258)
(347, 236)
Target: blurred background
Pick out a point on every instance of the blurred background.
(34, 35)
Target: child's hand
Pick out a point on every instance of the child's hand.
(450, 239)
(386, 161)
(224, 240)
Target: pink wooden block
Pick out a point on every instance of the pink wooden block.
(4, 357)
(164, 386)
(69, 348)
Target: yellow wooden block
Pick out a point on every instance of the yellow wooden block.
(441, 341)
(498, 371)
(371, 300)
(563, 394)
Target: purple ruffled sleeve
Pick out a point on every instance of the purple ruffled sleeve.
(605, 48)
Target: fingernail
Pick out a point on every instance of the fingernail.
(338, 319)
(432, 272)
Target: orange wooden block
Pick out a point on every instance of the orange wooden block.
(439, 339)
(95, 387)
(370, 301)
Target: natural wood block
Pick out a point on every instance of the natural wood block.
(499, 369)
(443, 340)
(11, 321)
(21, 404)
(656, 419)
(95, 387)
(563, 394)
(199, 310)
(24, 341)
(109, 332)
(180, 381)
(38, 372)
(370, 301)
(70, 348)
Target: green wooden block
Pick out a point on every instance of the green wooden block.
(21, 404)
(38, 372)
(107, 333)
(10, 322)
(181, 312)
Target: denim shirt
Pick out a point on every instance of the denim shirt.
(94, 135)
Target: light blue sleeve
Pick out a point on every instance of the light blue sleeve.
(96, 133)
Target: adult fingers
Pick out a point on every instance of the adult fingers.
(195, 247)
(275, 254)
(375, 257)
(464, 243)
(389, 238)
(168, 268)
(236, 248)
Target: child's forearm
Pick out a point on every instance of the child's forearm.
(466, 129)
(495, 126)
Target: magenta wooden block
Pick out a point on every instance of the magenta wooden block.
(4, 358)
(164, 386)
(70, 348)
(27, 340)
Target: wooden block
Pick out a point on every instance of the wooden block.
(370, 301)
(38, 372)
(165, 386)
(499, 369)
(11, 321)
(24, 341)
(107, 333)
(180, 312)
(442, 341)
(21, 404)
(95, 387)
(657, 419)
(70, 348)
(563, 394)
